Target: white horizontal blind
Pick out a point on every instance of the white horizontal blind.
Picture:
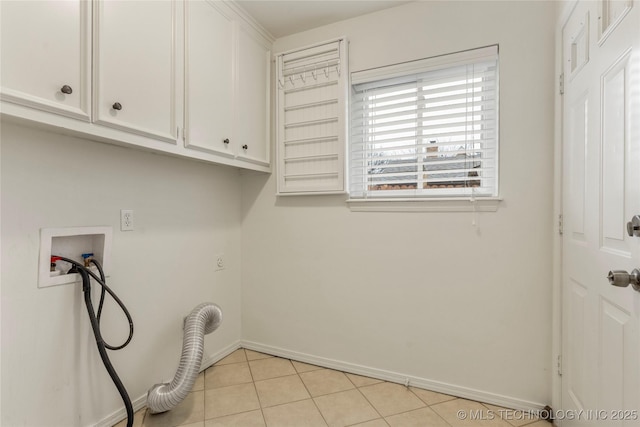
(431, 133)
(312, 94)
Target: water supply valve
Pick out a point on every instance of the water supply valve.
(53, 270)
(87, 259)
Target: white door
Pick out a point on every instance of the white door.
(253, 97)
(135, 67)
(209, 81)
(46, 55)
(601, 193)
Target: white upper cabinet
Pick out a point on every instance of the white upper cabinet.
(142, 74)
(135, 67)
(209, 80)
(252, 131)
(46, 54)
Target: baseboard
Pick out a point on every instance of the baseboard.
(216, 357)
(396, 377)
(121, 414)
(141, 401)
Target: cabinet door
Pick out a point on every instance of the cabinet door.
(46, 55)
(209, 56)
(134, 66)
(252, 112)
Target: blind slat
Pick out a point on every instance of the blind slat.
(426, 114)
(382, 147)
(423, 100)
(387, 136)
(462, 120)
(428, 160)
(465, 91)
(487, 74)
(458, 174)
(371, 110)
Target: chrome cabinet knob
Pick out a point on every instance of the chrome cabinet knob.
(66, 89)
(623, 279)
(226, 141)
(117, 106)
(245, 147)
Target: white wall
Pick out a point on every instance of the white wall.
(426, 295)
(185, 213)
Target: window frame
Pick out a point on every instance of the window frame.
(425, 198)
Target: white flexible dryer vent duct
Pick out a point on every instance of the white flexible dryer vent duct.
(203, 320)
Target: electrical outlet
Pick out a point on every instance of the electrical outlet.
(126, 220)
(220, 263)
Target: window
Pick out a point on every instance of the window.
(426, 129)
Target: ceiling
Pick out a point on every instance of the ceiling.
(284, 17)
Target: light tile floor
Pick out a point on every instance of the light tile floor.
(251, 389)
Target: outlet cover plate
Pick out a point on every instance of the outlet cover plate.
(221, 262)
(126, 220)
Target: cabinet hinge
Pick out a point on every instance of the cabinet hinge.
(560, 224)
(559, 364)
(561, 85)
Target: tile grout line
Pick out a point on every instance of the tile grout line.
(426, 405)
(231, 385)
(204, 403)
(369, 402)
(253, 381)
(308, 392)
(418, 409)
(144, 415)
(429, 406)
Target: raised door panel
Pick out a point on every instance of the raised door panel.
(209, 89)
(134, 66)
(46, 55)
(253, 98)
(614, 147)
(577, 158)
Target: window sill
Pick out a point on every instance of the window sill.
(425, 205)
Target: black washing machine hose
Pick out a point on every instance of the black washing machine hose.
(86, 275)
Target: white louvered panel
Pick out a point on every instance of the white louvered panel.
(311, 119)
(317, 112)
(312, 130)
(319, 164)
(308, 183)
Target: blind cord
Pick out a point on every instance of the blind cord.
(474, 218)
